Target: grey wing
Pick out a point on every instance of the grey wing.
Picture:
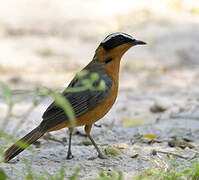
(81, 102)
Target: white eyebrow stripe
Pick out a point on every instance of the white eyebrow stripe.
(116, 34)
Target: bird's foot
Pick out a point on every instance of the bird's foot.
(69, 156)
(101, 156)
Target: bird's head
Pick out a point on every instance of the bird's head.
(115, 45)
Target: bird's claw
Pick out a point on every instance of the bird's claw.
(101, 156)
(69, 156)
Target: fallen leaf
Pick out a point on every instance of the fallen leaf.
(132, 122)
(112, 151)
(135, 156)
(150, 136)
(168, 156)
(150, 139)
(121, 146)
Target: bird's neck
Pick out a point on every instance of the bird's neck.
(112, 69)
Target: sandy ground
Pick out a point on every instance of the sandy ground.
(45, 42)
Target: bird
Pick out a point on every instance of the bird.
(88, 105)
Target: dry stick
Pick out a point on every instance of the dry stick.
(165, 165)
(159, 163)
(48, 137)
(163, 152)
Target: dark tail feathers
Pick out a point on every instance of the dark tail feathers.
(28, 139)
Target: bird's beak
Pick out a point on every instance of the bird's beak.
(137, 42)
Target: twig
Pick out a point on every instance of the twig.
(174, 154)
(160, 163)
(49, 137)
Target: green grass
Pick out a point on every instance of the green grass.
(174, 171)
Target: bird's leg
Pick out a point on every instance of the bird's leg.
(69, 154)
(87, 130)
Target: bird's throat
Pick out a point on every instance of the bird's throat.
(112, 69)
